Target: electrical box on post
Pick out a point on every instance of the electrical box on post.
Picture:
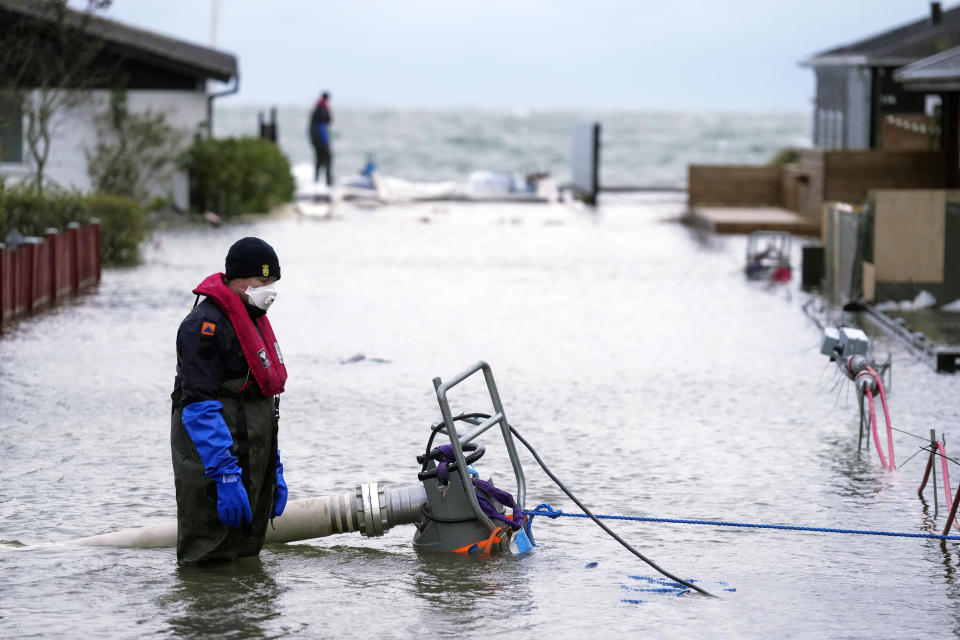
(831, 338)
(854, 341)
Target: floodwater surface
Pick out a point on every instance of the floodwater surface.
(648, 373)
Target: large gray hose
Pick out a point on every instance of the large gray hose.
(371, 510)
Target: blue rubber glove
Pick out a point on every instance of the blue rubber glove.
(280, 497)
(233, 505)
(204, 423)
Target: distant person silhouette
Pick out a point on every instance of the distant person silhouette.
(320, 121)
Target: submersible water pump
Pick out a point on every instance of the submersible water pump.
(464, 514)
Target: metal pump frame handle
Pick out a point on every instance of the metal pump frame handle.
(457, 441)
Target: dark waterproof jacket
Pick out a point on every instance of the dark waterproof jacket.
(212, 367)
(319, 123)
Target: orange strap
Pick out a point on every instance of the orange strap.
(484, 546)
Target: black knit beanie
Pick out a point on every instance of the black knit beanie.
(252, 257)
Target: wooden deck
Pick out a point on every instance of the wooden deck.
(750, 219)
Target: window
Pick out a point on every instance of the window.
(11, 128)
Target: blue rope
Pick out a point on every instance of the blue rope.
(550, 512)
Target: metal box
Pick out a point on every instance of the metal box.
(854, 341)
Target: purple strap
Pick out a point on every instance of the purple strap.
(485, 492)
(446, 451)
(501, 496)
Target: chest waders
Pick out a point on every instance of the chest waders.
(253, 422)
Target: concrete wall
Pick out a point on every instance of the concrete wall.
(734, 185)
(74, 133)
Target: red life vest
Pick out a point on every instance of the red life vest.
(265, 362)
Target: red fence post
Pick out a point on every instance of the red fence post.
(88, 257)
(3, 284)
(73, 255)
(63, 266)
(29, 250)
(41, 270)
(41, 274)
(21, 275)
(50, 239)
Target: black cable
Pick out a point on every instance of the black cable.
(936, 453)
(600, 524)
(911, 434)
(947, 457)
(439, 426)
(912, 457)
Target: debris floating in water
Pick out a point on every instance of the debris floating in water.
(358, 357)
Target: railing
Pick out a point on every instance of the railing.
(42, 271)
(457, 440)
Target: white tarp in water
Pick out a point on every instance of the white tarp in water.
(480, 185)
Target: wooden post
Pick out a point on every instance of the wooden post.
(3, 282)
(50, 236)
(30, 277)
(41, 282)
(16, 281)
(73, 242)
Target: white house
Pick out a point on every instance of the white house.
(159, 74)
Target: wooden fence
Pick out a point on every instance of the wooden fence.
(42, 271)
(734, 186)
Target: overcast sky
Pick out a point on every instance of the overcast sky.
(635, 54)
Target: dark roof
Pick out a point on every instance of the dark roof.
(139, 44)
(939, 72)
(896, 47)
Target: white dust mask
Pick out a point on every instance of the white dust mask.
(262, 297)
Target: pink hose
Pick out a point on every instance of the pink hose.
(886, 414)
(873, 425)
(946, 478)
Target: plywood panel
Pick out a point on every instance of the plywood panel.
(909, 232)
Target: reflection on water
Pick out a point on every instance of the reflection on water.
(650, 376)
(230, 600)
(467, 588)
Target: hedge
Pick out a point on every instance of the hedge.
(238, 175)
(122, 227)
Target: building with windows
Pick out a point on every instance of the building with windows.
(159, 74)
(860, 104)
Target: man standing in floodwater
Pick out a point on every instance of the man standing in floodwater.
(320, 121)
(225, 416)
